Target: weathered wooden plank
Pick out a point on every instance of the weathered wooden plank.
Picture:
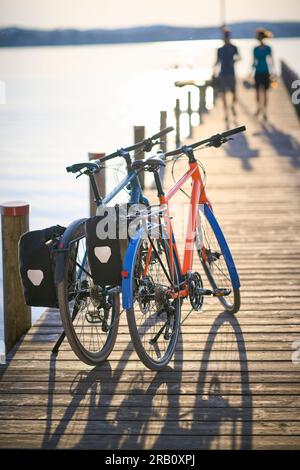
(150, 399)
(205, 318)
(126, 388)
(223, 426)
(124, 363)
(186, 355)
(169, 376)
(149, 442)
(264, 328)
(186, 337)
(188, 344)
(96, 413)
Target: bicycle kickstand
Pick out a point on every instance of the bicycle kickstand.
(58, 343)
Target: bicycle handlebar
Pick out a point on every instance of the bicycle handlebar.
(146, 144)
(234, 131)
(214, 141)
(162, 133)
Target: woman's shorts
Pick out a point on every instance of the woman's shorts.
(262, 80)
(227, 83)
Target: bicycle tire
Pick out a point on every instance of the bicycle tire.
(65, 306)
(135, 329)
(219, 268)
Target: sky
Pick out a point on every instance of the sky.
(122, 13)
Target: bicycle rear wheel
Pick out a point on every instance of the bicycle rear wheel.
(91, 318)
(216, 260)
(154, 319)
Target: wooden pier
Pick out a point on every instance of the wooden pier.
(234, 382)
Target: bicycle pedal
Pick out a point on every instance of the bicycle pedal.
(221, 292)
(205, 292)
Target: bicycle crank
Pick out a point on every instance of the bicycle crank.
(197, 291)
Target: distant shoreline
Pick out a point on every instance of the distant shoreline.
(21, 37)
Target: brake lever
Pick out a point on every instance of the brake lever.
(80, 174)
(149, 144)
(217, 143)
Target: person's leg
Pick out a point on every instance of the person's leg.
(234, 100)
(223, 90)
(225, 106)
(265, 103)
(265, 96)
(257, 94)
(224, 98)
(257, 102)
(233, 92)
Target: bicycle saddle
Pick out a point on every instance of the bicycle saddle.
(148, 164)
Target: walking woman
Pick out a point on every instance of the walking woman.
(263, 65)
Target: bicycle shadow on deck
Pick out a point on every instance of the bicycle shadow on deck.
(221, 415)
(224, 379)
(113, 406)
(116, 409)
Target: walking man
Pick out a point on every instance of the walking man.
(227, 55)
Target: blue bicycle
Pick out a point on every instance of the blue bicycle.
(90, 312)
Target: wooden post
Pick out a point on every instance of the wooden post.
(202, 98)
(139, 135)
(17, 315)
(163, 125)
(189, 111)
(177, 119)
(101, 183)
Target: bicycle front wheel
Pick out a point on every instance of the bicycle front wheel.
(154, 319)
(216, 260)
(91, 318)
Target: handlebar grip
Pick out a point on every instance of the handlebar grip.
(237, 130)
(80, 166)
(162, 133)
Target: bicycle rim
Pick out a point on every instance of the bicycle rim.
(90, 319)
(214, 263)
(154, 320)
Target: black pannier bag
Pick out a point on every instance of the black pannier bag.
(106, 241)
(37, 264)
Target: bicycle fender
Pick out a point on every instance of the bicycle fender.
(63, 249)
(224, 247)
(128, 268)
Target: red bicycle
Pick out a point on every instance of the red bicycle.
(155, 279)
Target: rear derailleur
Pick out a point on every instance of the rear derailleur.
(101, 305)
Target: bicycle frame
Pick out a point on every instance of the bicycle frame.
(198, 198)
(136, 192)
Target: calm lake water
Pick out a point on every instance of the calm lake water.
(62, 102)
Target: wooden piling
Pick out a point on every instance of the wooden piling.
(163, 125)
(17, 315)
(202, 101)
(139, 135)
(100, 179)
(189, 112)
(163, 145)
(177, 120)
